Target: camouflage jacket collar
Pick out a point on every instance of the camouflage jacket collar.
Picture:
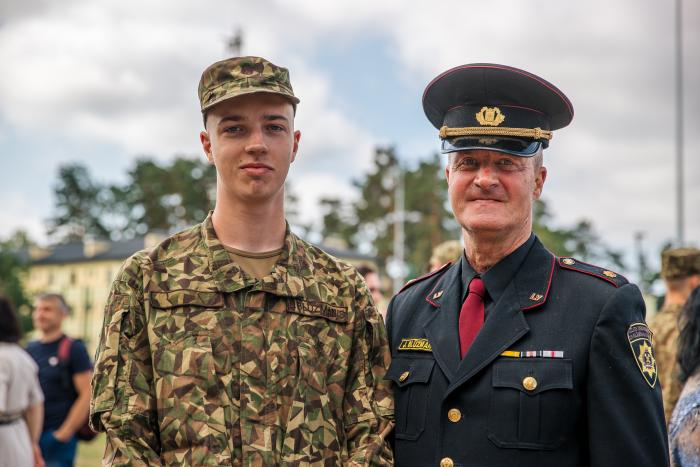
(285, 279)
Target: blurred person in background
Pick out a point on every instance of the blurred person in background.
(66, 385)
(374, 284)
(21, 399)
(680, 270)
(684, 427)
(445, 252)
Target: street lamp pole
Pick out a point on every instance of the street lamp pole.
(680, 227)
(399, 236)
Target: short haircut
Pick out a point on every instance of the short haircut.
(57, 297)
(365, 269)
(9, 324)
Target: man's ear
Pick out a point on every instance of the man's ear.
(297, 138)
(206, 145)
(540, 177)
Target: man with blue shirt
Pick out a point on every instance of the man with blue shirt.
(66, 384)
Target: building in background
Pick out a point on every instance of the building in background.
(83, 273)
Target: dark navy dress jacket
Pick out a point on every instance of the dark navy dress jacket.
(561, 374)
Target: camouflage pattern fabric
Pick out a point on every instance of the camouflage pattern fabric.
(679, 263)
(242, 75)
(664, 326)
(200, 364)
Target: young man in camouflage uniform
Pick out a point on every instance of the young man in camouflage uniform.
(235, 342)
(680, 270)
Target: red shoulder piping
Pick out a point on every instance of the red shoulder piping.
(599, 276)
(422, 278)
(549, 286)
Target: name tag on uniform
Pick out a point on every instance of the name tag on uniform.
(421, 345)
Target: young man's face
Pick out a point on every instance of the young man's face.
(252, 142)
(47, 315)
(492, 192)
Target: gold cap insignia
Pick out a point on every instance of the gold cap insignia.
(609, 274)
(488, 141)
(490, 116)
(568, 261)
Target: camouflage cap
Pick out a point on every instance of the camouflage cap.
(242, 75)
(446, 252)
(680, 262)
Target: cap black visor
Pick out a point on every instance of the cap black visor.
(515, 146)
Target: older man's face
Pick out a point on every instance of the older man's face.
(491, 193)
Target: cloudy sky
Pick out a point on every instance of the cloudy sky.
(103, 82)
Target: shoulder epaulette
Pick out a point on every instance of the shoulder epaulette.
(422, 278)
(607, 275)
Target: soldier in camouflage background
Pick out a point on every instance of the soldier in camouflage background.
(235, 342)
(680, 269)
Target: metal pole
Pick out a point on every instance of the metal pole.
(679, 126)
(399, 218)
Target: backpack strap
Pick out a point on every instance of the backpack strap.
(64, 347)
(64, 350)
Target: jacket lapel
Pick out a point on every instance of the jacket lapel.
(441, 328)
(506, 322)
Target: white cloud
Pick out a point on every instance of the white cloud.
(123, 74)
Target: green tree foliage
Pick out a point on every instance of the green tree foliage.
(12, 267)
(580, 241)
(338, 221)
(155, 197)
(432, 222)
(164, 197)
(376, 200)
(78, 205)
(369, 221)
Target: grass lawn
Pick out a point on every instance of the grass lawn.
(90, 453)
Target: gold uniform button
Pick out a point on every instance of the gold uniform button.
(529, 383)
(609, 273)
(454, 415)
(403, 376)
(447, 462)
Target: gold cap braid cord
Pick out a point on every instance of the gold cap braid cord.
(535, 133)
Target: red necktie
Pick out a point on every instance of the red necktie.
(471, 317)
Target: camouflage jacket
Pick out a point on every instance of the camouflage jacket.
(664, 325)
(200, 364)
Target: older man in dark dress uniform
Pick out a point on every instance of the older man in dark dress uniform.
(512, 356)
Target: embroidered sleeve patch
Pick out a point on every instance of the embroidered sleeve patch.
(421, 345)
(639, 338)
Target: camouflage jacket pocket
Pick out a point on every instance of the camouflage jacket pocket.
(192, 412)
(191, 416)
